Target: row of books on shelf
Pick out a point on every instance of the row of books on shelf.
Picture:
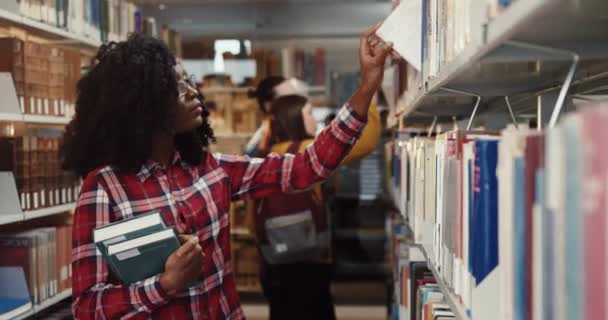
(44, 76)
(310, 66)
(35, 266)
(514, 220)
(35, 162)
(448, 27)
(99, 20)
(417, 296)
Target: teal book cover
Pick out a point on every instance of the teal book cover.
(141, 258)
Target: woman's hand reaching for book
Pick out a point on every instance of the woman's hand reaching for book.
(184, 266)
(373, 53)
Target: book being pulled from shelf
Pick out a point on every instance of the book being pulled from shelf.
(136, 248)
(516, 220)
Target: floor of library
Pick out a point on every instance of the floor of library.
(355, 300)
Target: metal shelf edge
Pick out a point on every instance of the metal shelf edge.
(10, 218)
(11, 117)
(45, 119)
(45, 304)
(33, 214)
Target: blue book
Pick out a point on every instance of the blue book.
(519, 245)
(14, 295)
(575, 258)
(424, 46)
(504, 3)
(486, 210)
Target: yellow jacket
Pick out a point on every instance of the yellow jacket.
(365, 145)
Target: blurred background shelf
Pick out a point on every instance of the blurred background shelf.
(45, 305)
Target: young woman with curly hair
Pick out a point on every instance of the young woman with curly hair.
(139, 138)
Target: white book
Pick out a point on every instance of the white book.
(141, 241)
(44, 11)
(406, 40)
(429, 190)
(419, 201)
(510, 147)
(117, 229)
(555, 189)
(403, 189)
(412, 181)
(440, 151)
(51, 12)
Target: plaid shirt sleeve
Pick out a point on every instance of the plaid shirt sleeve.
(257, 177)
(94, 296)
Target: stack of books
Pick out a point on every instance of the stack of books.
(43, 255)
(136, 248)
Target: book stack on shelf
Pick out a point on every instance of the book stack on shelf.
(309, 66)
(446, 31)
(35, 163)
(36, 263)
(416, 294)
(512, 220)
(97, 20)
(173, 40)
(234, 115)
(267, 62)
(44, 76)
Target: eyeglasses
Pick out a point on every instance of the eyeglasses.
(187, 87)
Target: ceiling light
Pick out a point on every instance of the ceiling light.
(162, 6)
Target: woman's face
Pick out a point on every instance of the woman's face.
(189, 115)
(310, 124)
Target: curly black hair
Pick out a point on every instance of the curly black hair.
(128, 97)
(265, 91)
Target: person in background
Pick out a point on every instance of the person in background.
(264, 94)
(269, 89)
(136, 138)
(303, 281)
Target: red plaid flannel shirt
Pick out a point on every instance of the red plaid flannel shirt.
(195, 200)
